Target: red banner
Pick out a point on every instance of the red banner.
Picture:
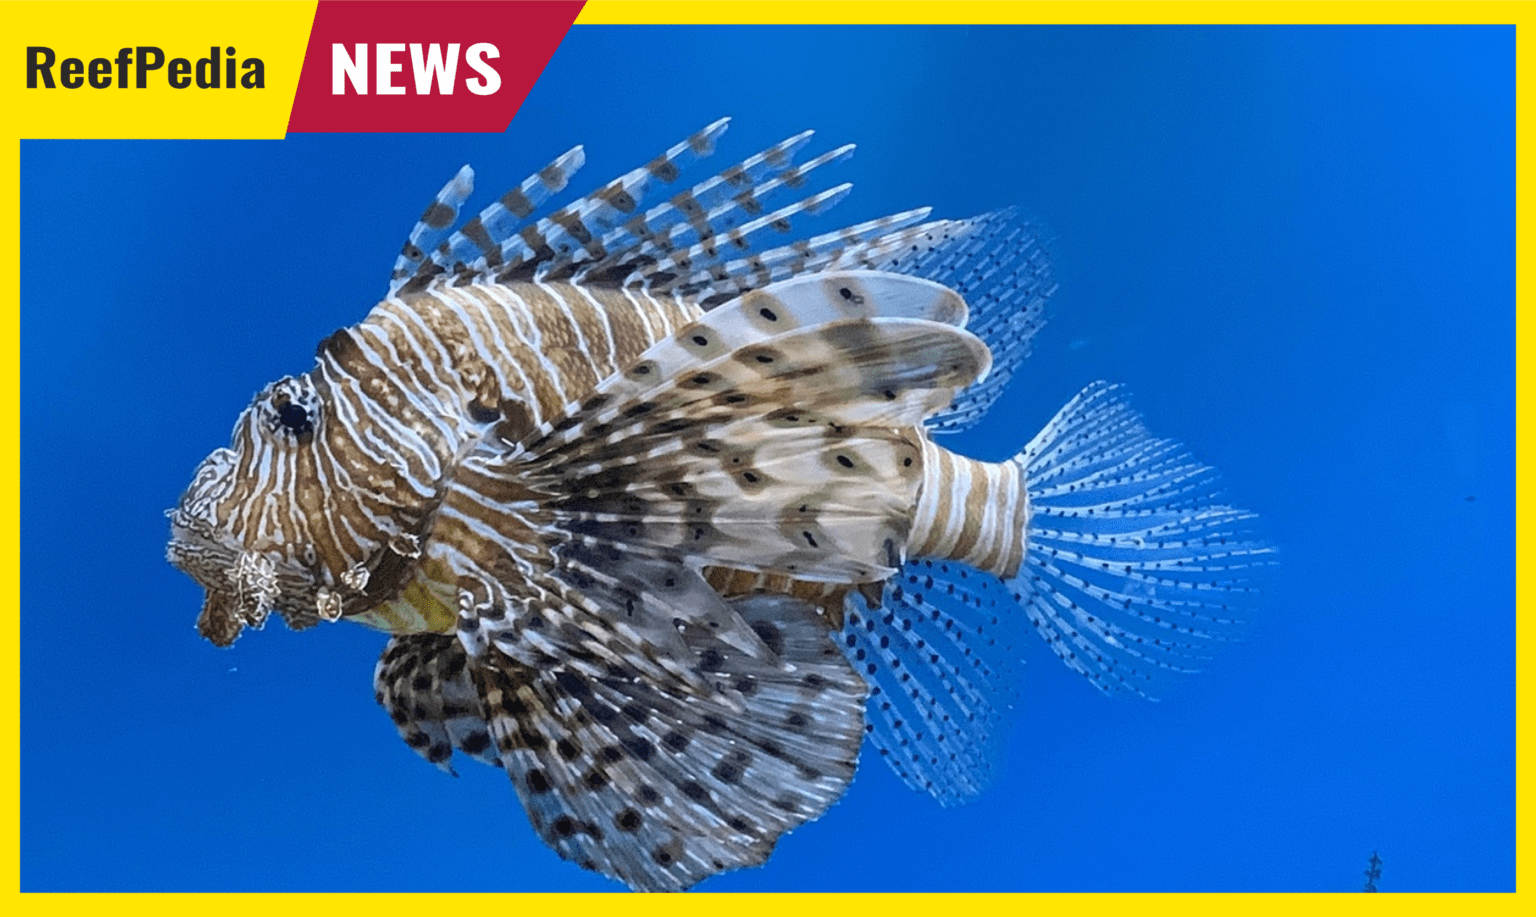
(401, 66)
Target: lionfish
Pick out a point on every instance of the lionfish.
(652, 508)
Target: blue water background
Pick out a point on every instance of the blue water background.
(1295, 245)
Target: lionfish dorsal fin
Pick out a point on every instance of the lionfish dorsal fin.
(729, 274)
(702, 243)
(999, 263)
(437, 246)
(436, 223)
(484, 237)
(506, 243)
(710, 209)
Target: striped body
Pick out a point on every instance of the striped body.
(971, 511)
(519, 354)
(542, 346)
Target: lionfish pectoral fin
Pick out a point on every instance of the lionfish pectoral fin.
(1134, 571)
(830, 296)
(771, 436)
(583, 589)
(660, 790)
(654, 593)
(422, 682)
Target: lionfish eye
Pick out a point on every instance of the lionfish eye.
(294, 418)
(290, 414)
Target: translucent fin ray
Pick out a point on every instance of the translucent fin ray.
(436, 224)
(703, 212)
(1135, 571)
(940, 656)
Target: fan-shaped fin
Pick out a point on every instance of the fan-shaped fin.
(819, 339)
(785, 454)
(658, 790)
(1134, 572)
(791, 453)
(940, 658)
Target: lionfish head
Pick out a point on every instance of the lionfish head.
(271, 523)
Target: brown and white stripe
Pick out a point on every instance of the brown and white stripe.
(970, 511)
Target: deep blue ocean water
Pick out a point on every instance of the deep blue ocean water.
(1295, 245)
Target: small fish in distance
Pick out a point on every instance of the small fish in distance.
(646, 491)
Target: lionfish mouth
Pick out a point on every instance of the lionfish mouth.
(242, 586)
(245, 586)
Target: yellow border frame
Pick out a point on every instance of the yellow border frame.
(281, 30)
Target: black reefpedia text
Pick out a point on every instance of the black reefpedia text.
(132, 67)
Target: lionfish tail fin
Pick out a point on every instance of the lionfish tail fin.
(1134, 571)
(1112, 543)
